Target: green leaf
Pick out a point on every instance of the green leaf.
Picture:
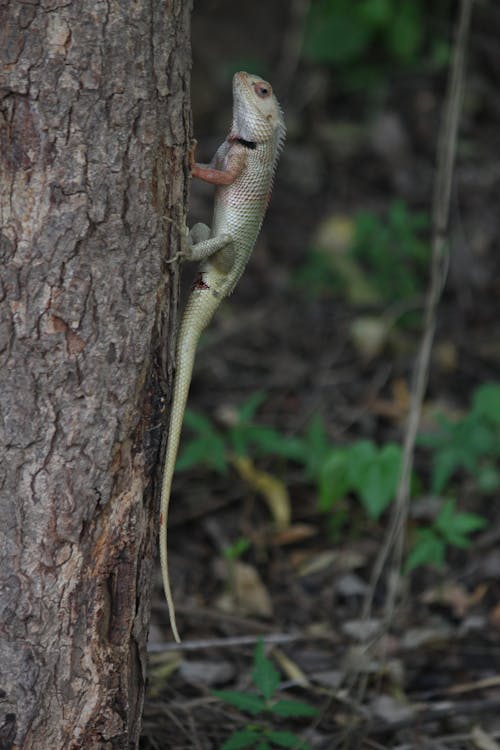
(263, 746)
(270, 442)
(444, 464)
(286, 739)
(428, 549)
(203, 451)
(247, 410)
(335, 34)
(383, 478)
(198, 423)
(488, 479)
(264, 674)
(235, 550)
(374, 474)
(405, 34)
(376, 13)
(486, 402)
(253, 704)
(455, 526)
(287, 708)
(207, 448)
(242, 738)
(334, 480)
(316, 446)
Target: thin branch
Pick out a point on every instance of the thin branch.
(231, 642)
(394, 542)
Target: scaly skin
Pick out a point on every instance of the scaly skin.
(243, 170)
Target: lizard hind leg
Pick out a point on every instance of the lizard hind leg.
(198, 233)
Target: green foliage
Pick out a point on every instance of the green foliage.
(211, 448)
(266, 680)
(366, 39)
(264, 674)
(362, 468)
(449, 528)
(365, 471)
(471, 443)
(317, 276)
(237, 549)
(371, 473)
(392, 252)
(386, 261)
(206, 448)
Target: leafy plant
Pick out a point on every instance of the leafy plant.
(471, 443)
(264, 702)
(316, 277)
(211, 448)
(393, 252)
(237, 549)
(207, 447)
(385, 260)
(450, 528)
(362, 39)
(370, 472)
(362, 469)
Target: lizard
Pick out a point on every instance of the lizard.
(242, 170)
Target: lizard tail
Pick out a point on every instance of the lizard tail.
(196, 317)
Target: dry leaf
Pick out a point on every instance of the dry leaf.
(290, 668)
(248, 594)
(482, 740)
(317, 563)
(363, 629)
(455, 596)
(207, 672)
(271, 488)
(494, 617)
(296, 533)
(369, 335)
(391, 710)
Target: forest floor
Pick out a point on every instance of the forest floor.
(318, 346)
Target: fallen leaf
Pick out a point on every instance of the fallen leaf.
(272, 489)
(317, 563)
(494, 616)
(417, 637)
(363, 629)
(296, 533)
(161, 666)
(290, 668)
(446, 356)
(369, 335)
(391, 710)
(206, 672)
(248, 594)
(482, 740)
(455, 596)
(350, 584)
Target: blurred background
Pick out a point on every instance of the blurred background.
(292, 444)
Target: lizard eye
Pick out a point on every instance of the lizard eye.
(263, 89)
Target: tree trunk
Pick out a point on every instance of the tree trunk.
(94, 122)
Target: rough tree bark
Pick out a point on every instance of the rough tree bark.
(94, 122)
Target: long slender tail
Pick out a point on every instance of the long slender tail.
(197, 315)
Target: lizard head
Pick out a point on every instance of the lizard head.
(257, 115)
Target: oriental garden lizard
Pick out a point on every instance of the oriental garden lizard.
(242, 170)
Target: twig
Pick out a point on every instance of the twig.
(394, 543)
(240, 640)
